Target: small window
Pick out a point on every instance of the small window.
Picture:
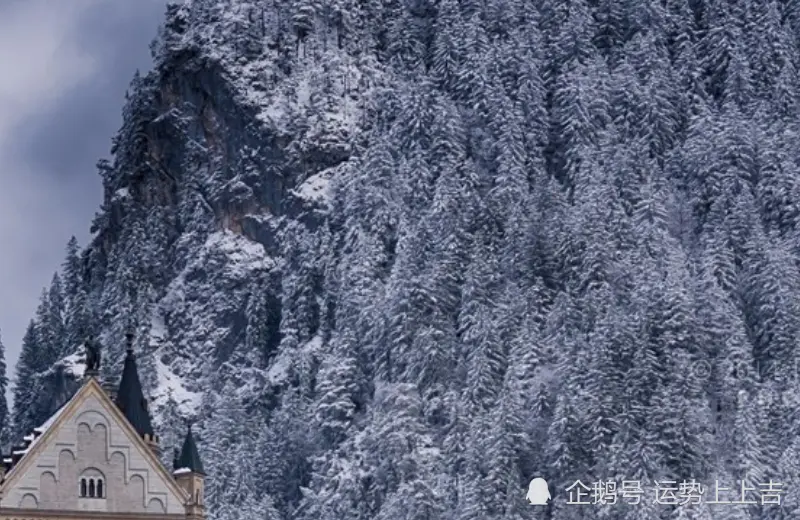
(92, 484)
(197, 497)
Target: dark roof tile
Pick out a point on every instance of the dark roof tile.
(189, 457)
(130, 398)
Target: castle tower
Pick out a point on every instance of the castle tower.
(189, 474)
(130, 398)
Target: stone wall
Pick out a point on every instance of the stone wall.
(90, 443)
(19, 514)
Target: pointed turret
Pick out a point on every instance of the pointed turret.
(189, 457)
(130, 397)
(189, 474)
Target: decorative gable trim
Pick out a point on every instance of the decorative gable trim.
(33, 452)
(93, 388)
(11, 513)
(154, 461)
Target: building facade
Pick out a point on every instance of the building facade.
(98, 458)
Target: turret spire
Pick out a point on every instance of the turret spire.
(189, 457)
(190, 476)
(130, 398)
(129, 340)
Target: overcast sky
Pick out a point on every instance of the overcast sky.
(64, 69)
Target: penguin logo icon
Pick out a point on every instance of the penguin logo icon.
(538, 492)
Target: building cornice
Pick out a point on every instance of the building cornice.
(10, 513)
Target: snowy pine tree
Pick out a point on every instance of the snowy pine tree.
(412, 254)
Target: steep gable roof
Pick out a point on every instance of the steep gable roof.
(89, 389)
(30, 440)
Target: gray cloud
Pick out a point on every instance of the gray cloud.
(66, 66)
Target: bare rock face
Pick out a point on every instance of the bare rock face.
(206, 179)
(221, 156)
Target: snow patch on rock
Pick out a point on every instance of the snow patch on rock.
(158, 330)
(243, 254)
(240, 256)
(194, 320)
(168, 383)
(172, 385)
(74, 364)
(279, 369)
(316, 188)
(121, 193)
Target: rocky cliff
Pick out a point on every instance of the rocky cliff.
(396, 258)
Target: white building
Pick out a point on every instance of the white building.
(97, 458)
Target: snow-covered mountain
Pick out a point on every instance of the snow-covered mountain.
(397, 258)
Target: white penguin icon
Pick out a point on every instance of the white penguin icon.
(538, 492)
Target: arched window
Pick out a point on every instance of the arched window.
(92, 484)
(197, 496)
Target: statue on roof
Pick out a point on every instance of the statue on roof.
(92, 348)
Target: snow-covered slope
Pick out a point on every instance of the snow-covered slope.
(397, 258)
